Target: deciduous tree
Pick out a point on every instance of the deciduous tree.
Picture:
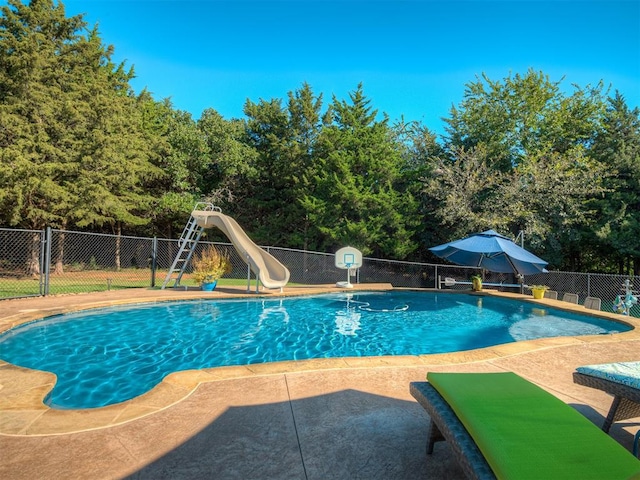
(521, 115)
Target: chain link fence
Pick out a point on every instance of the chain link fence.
(21, 254)
(604, 286)
(50, 262)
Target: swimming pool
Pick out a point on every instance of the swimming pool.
(110, 355)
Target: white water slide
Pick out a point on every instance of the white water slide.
(270, 272)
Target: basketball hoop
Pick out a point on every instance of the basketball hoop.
(349, 259)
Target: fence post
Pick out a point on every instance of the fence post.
(46, 258)
(43, 250)
(154, 254)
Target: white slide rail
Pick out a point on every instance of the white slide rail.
(267, 268)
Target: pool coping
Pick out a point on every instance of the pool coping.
(22, 390)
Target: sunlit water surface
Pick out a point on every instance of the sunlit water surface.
(110, 355)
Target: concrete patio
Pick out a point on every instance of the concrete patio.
(320, 419)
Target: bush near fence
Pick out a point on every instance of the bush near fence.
(48, 262)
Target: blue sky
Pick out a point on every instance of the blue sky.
(413, 57)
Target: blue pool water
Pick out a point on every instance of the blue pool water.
(110, 355)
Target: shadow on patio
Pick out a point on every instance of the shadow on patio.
(343, 435)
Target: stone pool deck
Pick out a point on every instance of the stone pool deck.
(318, 419)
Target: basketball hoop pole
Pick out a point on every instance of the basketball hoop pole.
(348, 265)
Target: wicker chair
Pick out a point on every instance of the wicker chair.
(507, 448)
(445, 425)
(626, 399)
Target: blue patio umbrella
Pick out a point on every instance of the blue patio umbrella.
(493, 252)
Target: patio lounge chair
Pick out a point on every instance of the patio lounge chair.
(570, 297)
(593, 303)
(499, 425)
(622, 380)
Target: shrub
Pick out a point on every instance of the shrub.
(210, 265)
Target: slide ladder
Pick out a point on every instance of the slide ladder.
(187, 245)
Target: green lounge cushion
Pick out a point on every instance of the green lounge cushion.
(526, 433)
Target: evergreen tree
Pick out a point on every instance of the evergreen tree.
(284, 139)
(38, 47)
(354, 200)
(72, 150)
(618, 147)
(114, 168)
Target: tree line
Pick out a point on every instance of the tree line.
(80, 149)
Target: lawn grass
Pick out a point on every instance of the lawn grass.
(93, 281)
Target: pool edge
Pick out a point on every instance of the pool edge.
(22, 390)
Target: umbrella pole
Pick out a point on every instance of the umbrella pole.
(517, 273)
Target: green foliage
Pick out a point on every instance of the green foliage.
(285, 142)
(170, 211)
(467, 193)
(231, 161)
(355, 200)
(186, 159)
(79, 149)
(618, 224)
(521, 115)
(551, 197)
(36, 148)
(72, 152)
(210, 265)
(525, 165)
